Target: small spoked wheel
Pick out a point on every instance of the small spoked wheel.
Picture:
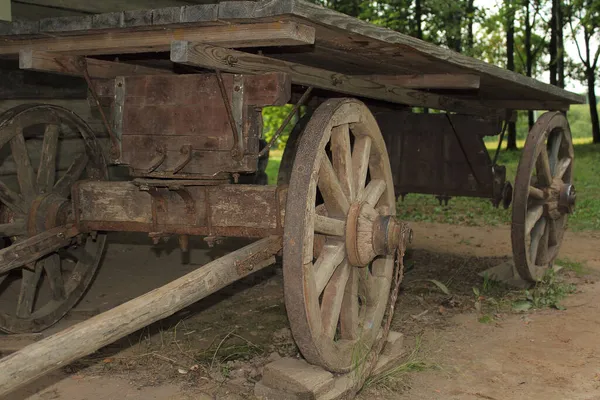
(339, 236)
(544, 196)
(44, 150)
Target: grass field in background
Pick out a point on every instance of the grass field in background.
(474, 211)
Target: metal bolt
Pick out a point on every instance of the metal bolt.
(60, 235)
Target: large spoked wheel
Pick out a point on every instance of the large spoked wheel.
(44, 150)
(544, 196)
(339, 236)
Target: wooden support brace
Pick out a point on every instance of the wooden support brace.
(86, 337)
(237, 35)
(208, 56)
(430, 81)
(72, 65)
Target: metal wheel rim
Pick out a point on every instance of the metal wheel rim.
(336, 343)
(75, 276)
(531, 226)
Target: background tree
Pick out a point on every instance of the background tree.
(584, 21)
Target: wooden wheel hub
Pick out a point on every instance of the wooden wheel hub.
(47, 211)
(369, 234)
(559, 199)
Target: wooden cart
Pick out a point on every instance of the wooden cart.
(179, 93)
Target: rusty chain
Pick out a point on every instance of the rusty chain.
(372, 357)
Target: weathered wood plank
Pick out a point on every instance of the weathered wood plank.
(73, 65)
(208, 56)
(431, 81)
(86, 337)
(17, 84)
(520, 104)
(242, 35)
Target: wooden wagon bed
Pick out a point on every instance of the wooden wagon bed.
(303, 34)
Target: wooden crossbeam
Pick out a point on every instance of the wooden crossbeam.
(73, 65)
(237, 35)
(430, 81)
(520, 104)
(208, 56)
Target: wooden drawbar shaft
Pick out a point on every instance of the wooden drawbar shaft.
(86, 337)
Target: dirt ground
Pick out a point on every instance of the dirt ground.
(458, 345)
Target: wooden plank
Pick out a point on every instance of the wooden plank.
(520, 104)
(86, 337)
(73, 65)
(208, 56)
(110, 5)
(243, 35)
(431, 81)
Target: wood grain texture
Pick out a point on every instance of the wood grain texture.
(246, 35)
(431, 81)
(73, 65)
(86, 337)
(208, 56)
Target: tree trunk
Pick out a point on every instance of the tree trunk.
(470, 18)
(560, 46)
(511, 138)
(591, 80)
(528, 55)
(552, 47)
(419, 19)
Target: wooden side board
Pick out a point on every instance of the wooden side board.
(237, 35)
(207, 56)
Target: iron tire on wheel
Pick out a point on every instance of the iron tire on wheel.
(36, 296)
(335, 306)
(543, 196)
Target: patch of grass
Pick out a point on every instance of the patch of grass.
(485, 319)
(546, 294)
(414, 363)
(570, 265)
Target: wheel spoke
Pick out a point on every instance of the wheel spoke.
(541, 257)
(533, 215)
(543, 168)
(536, 235)
(54, 275)
(367, 285)
(562, 167)
(16, 228)
(349, 313)
(331, 190)
(329, 226)
(536, 193)
(360, 162)
(342, 158)
(332, 299)
(63, 186)
(25, 173)
(29, 284)
(373, 192)
(552, 233)
(330, 258)
(46, 174)
(554, 148)
(12, 200)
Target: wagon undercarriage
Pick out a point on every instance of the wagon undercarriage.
(187, 123)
